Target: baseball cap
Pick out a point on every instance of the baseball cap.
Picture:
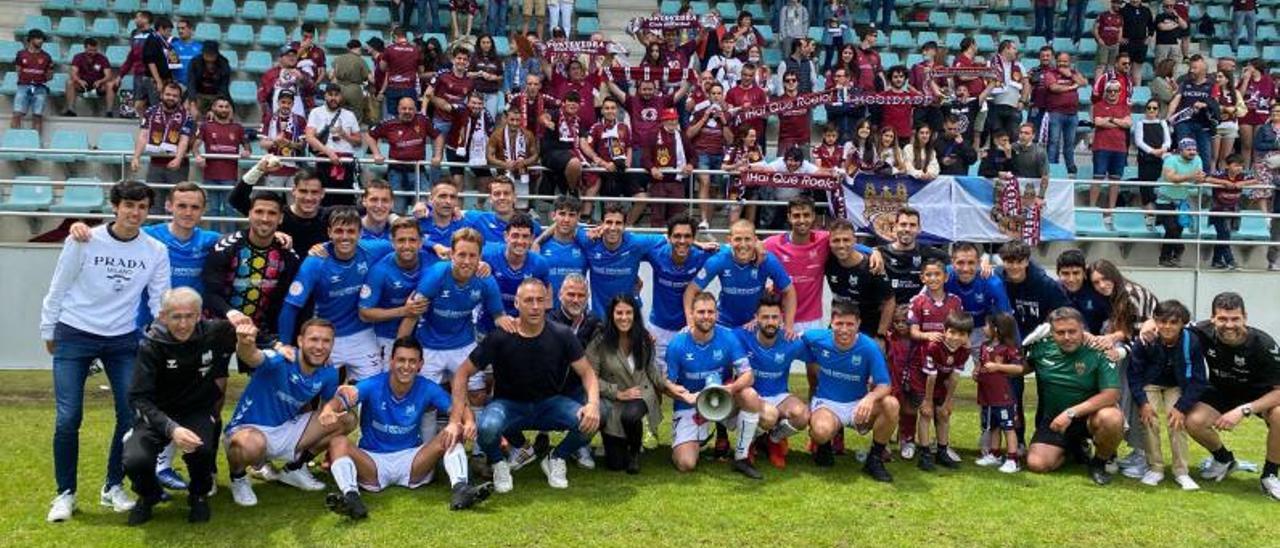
(289, 49)
(668, 114)
(1187, 144)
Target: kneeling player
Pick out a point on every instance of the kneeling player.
(771, 356)
(932, 385)
(269, 423)
(844, 363)
(391, 449)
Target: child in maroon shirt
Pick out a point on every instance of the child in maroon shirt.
(1227, 187)
(995, 392)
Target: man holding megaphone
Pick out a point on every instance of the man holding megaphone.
(699, 361)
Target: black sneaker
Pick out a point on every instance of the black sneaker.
(824, 455)
(945, 460)
(466, 495)
(874, 467)
(744, 467)
(633, 463)
(69, 113)
(1098, 473)
(141, 512)
(925, 462)
(111, 114)
(199, 512)
(347, 504)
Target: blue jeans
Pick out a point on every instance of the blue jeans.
(495, 17)
(1073, 23)
(554, 413)
(74, 350)
(1241, 22)
(886, 9)
(1062, 137)
(1202, 137)
(1223, 226)
(407, 179)
(1044, 22)
(428, 16)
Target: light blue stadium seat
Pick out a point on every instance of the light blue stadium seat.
(1017, 24)
(254, 10)
(669, 7)
(503, 45)
(901, 39)
(222, 9)
(285, 12)
(33, 22)
(925, 37)
(1095, 7)
(57, 5)
(1085, 93)
(316, 13)
(1221, 50)
(986, 44)
(190, 8)
(81, 198)
(9, 49)
(772, 56)
(728, 11)
(239, 34)
(1219, 14)
(29, 197)
(1020, 6)
(271, 36)
(953, 41)
(1034, 43)
(256, 62)
(913, 58)
(1141, 95)
(125, 7)
(819, 116)
(766, 32)
(114, 141)
(1089, 223)
(991, 21)
(337, 39)
(58, 84)
(105, 27)
(586, 7)
(54, 50)
(1064, 44)
(1248, 51)
(367, 34)
(347, 14)
(1271, 52)
(1254, 228)
(1089, 48)
(9, 84)
(70, 27)
(700, 8)
(756, 10)
(19, 138)
(939, 20)
(116, 55)
(160, 7)
(965, 21)
(244, 93)
(208, 32)
(440, 38)
(377, 16)
(233, 59)
(815, 33)
(890, 59)
(75, 49)
(588, 25)
(93, 6)
(1131, 223)
(65, 139)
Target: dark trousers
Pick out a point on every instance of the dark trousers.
(1172, 231)
(145, 442)
(1224, 226)
(330, 182)
(1044, 22)
(617, 451)
(1003, 117)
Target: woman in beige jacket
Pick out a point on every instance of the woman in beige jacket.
(622, 355)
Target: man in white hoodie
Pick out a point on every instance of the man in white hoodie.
(91, 313)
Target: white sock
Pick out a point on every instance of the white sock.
(344, 474)
(455, 464)
(165, 459)
(746, 433)
(782, 431)
(983, 442)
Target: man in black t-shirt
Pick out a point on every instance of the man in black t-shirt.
(900, 259)
(851, 279)
(531, 368)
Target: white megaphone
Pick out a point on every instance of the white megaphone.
(715, 403)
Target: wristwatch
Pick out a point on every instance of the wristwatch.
(1071, 413)
(1246, 409)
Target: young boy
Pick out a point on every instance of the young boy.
(933, 384)
(1227, 187)
(927, 314)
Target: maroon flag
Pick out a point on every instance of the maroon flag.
(807, 181)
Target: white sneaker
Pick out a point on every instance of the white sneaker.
(1271, 486)
(265, 472)
(1152, 478)
(63, 506)
(554, 469)
(585, 459)
(302, 479)
(987, 460)
(1137, 458)
(1186, 483)
(953, 455)
(116, 499)
(1113, 468)
(907, 451)
(1217, 471)
(502, 477)
(242, 492)
(521, 457)
(1010, 466)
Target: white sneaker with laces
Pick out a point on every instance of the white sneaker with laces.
(1152, 478)
(1271, 486)
(1186, 483)
(1010, 466)
(63, 506)
(556, 472)
(302, 479)
(987, 460)
(242, 491)
(585, 459)
(521, 457)
(502, 477)
(116, 499)
(1217, 471)
(907, 451)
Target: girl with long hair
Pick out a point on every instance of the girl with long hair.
(919, 159)
(487, 67)
(1231, 105)
(890, 154)
(861, 152)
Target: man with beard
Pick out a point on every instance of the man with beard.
(282, 136)
(743, 278)
(561, 153)
(747, 94)
(1032, 294)
(587, 86)
(441, 221)
(304, 220)
(220, 135)
(675, 263)
(514, 148)
(283, 78)
(980, 296)
(406, 137)
(606, 145)
(643, 108)
(467, 141)
(901, 259)
(803, 252)
(850, 277)
(334, 132)
(387, 294)
(571, 309)
(165, 135)
(782, 414)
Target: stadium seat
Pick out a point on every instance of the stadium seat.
(1131, 223)
(925, 37)
(503, 45)
(986, 44)
(699, 7)
(239, 34)
(58, 84)
(190, 8)
(669, 7)
(29, 197)
(901, 39)
(208, 32)
(939, 20)
(105, 27)
(586, 7)
(54, 50)
(9, 84)
(991, 21)
(222, 9)
(1089, 224)
(766, 32)
(75, 49)
(9, 49)
(1089, 48)
(271, 36)
(1034, 43)
(70, 28)
(728, 11)
(952, 41)
(1020, 6)
(346, 14)
(1248, 51)
(377, 16)
(316, 13)
(1095, 7)
(113, 141)
(256, 62)
(160, 7)
(772, 56)
(57, 5)
(1220, 50)
(890, 59)
(1218, 14)
(116, 55)
(1254, 228)
(965, 21)
(1141, 95)
(254, 10)
(756, 10)
(244, 93)
(65, 139)
(588, 25)
(336, 39)
(1017, 25)
(1271, 52)
(33, 22)
(1064, 44)
(125, 7)
(19, 138)
(285, 12)
(85, 197)
(93, 6)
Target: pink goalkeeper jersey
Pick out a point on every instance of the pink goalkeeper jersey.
(804, 263)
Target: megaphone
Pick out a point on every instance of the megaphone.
(715, 403)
